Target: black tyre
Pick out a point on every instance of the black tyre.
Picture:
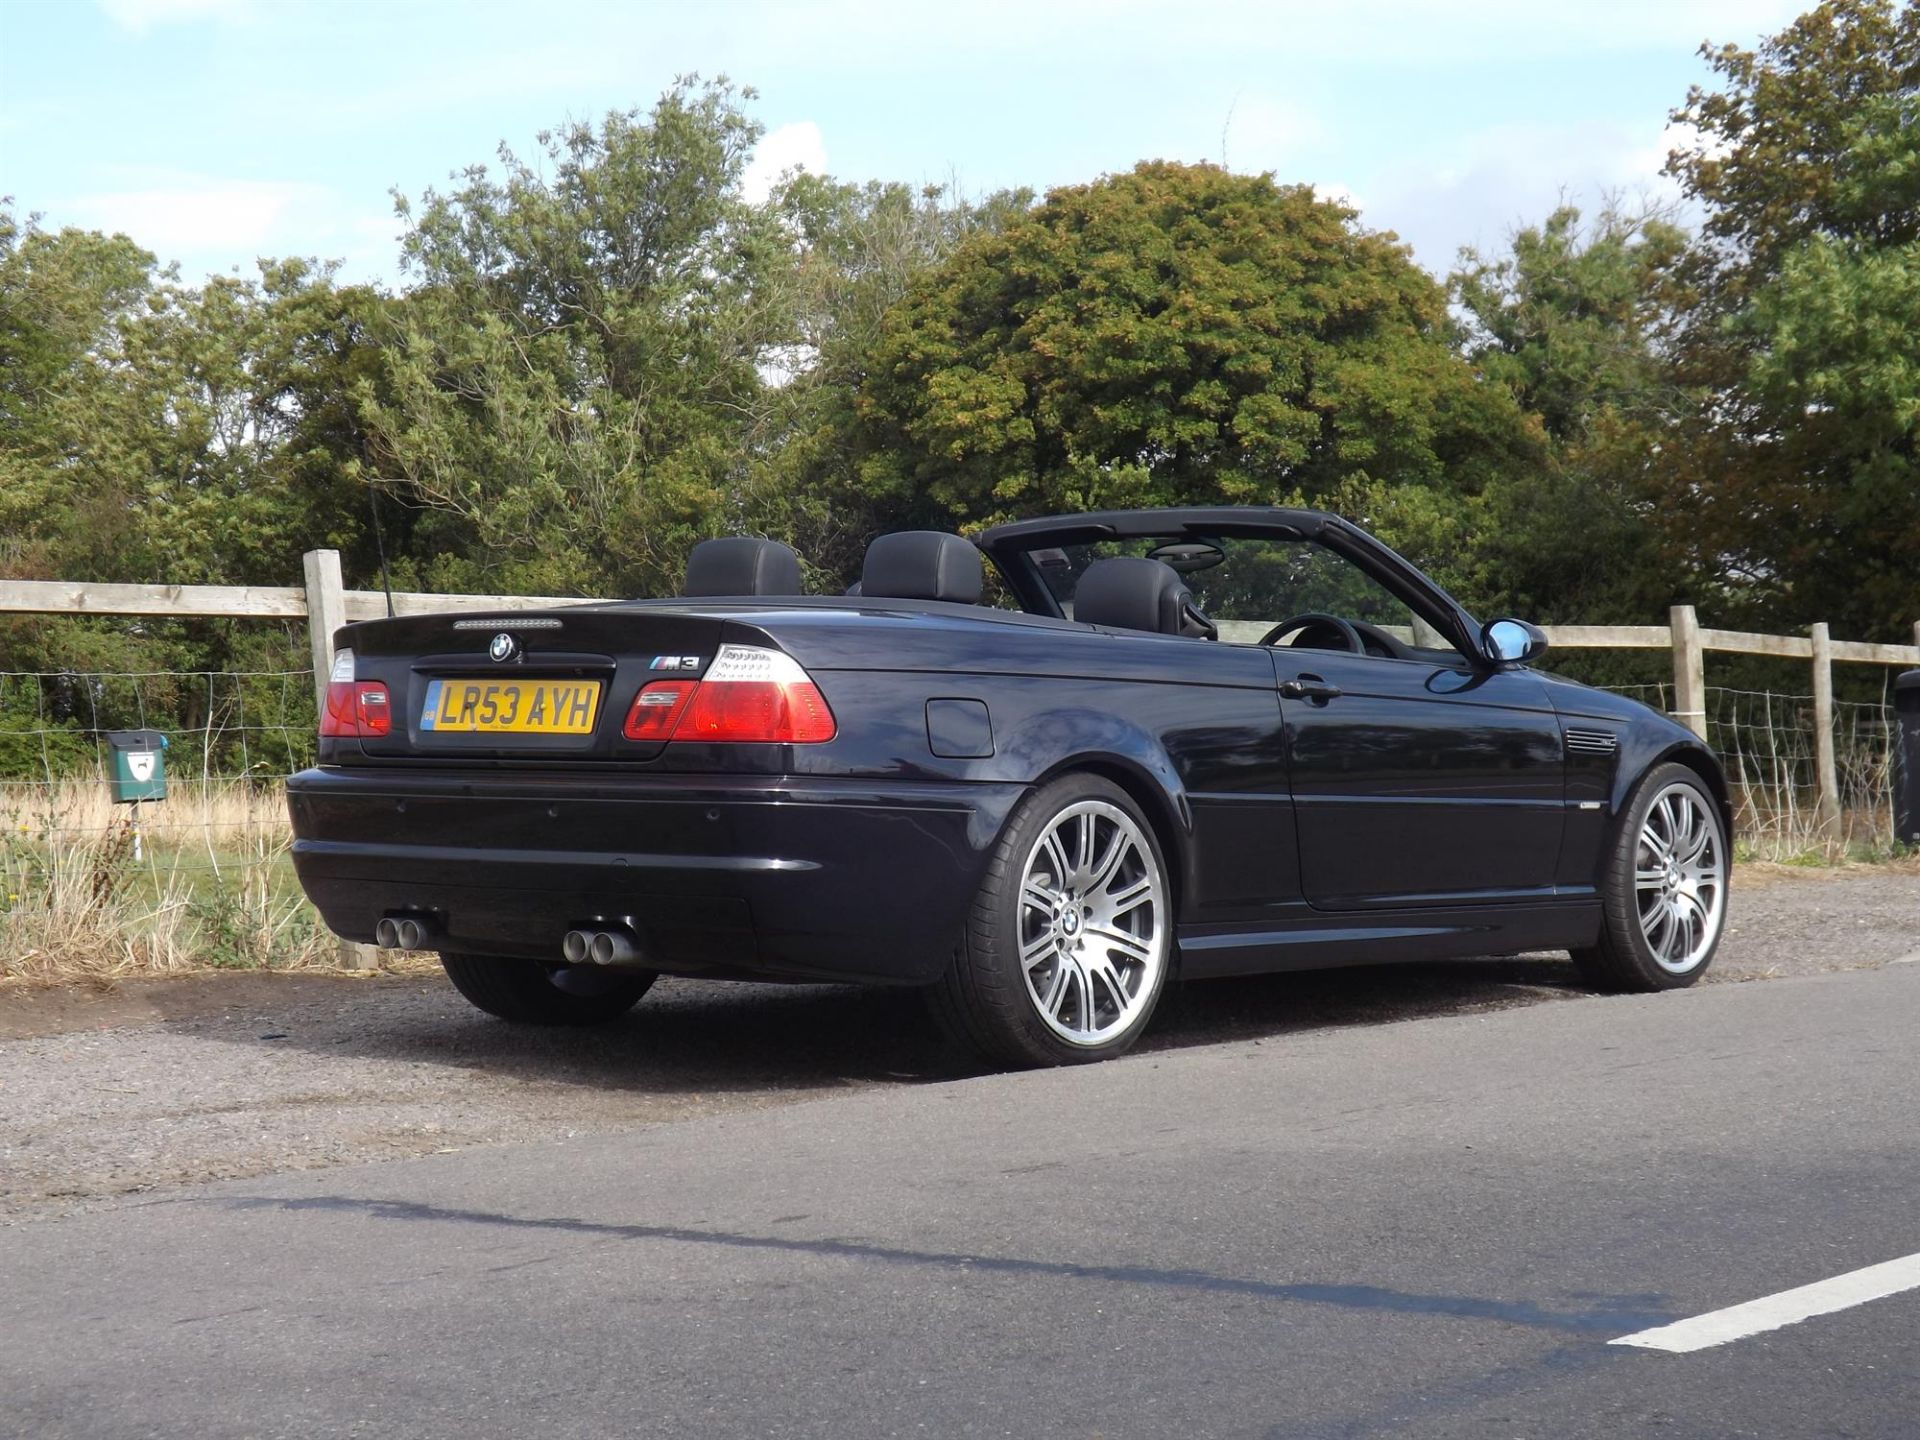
(1664, 889)
(1070, 939)
(535, 992)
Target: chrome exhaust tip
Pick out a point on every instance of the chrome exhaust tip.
(600, 947)
(610, 947)
(402, 931)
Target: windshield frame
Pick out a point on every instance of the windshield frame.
(1011, 548)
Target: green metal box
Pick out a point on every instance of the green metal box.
(137, 765)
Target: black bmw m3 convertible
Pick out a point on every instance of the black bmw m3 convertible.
(1184, 742)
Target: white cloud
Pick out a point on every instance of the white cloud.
(1681, 137)
(790, 147)
(1260, 133)
(217, 225)
(140, 16)
(193, 214)
(1339, 195)
(1490, 183)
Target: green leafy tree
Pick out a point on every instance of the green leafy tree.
(1577, 320)
(154, 432)
(1175, 335)
(857, 250)
(574, 384)
(1798, 484)
(67, 472)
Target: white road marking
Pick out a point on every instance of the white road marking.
(1789, 1307)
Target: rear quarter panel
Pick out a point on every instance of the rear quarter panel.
(1191, 729)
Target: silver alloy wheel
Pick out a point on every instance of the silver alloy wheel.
(1680, 878)
(1093, 923)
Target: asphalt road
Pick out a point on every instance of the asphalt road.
(161, 1082)
(1423, 1228)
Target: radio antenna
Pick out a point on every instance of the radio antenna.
(380, 543)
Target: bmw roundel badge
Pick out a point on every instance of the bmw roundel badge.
(503, 648)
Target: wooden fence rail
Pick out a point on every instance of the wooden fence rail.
(324, 597)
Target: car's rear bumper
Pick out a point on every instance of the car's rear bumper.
(780, 876)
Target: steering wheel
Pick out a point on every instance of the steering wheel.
(1317, 617)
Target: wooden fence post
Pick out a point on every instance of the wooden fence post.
(1689, 670)
(327, 612)
(1829, 774)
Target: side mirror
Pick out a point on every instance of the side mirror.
(1512, 642)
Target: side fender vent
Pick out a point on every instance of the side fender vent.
(1592, 742)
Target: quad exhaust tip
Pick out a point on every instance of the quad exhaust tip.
(599, 947)
(403, 932)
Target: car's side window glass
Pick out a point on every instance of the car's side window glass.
(1247, 586)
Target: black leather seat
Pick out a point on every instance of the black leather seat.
(1130, 592)
(742, 565)
(922, 565)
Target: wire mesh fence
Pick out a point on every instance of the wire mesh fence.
(201, 877)
(1769, 745)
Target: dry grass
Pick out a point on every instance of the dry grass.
(212, 887)
(1792, 833)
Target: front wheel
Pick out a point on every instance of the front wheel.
(537, 992)
(1070, 938)
(1664, 891)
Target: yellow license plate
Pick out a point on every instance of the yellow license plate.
(511, 707)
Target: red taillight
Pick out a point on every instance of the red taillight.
(657, 709)
(793, 712)
(355, 707)
(748, 695)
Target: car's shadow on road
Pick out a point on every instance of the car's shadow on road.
(691, 1038)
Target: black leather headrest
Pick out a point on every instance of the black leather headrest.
(742, 565)
(1132, 593)
(922, 565)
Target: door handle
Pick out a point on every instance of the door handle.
(1309, 687)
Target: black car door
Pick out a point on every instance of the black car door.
(1418, 784)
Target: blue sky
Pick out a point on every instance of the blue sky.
(214, 131)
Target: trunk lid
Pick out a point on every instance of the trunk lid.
(527, 685)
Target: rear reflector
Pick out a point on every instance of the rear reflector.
(748, 695)
(657, 709)
(354, 707)
(357, 707)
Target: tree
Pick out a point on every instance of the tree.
(574, 385)
(1802, 486)
(857, 250)
(150, 431)
(1174, 335)
(65, 474)
(1577, 320)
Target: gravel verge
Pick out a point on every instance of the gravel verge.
(106, 1093)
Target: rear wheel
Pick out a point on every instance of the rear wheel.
(538, 992)
(1665, 889)
(1070, 938)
